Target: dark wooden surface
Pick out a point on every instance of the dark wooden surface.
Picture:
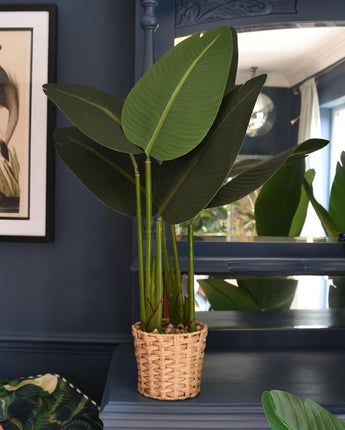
(232, 384)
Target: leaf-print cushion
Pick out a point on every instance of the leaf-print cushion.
(46, 402)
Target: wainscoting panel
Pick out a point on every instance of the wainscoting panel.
(86, 363)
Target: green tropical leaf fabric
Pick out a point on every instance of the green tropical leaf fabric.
(46, 402)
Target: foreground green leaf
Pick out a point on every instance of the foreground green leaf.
(107, 174)
(285, 411)
(230, 85)
(96, 113)
(170, 110)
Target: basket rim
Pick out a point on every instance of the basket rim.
(203, 330)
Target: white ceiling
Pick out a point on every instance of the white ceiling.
(289, 56)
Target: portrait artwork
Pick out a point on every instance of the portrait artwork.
(27, 62)
(15, 93)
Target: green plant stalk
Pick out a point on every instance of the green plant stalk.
(191, 297)
(141, 264)
(185, 310)
(158, 293)
(150, 305)
(166, 261)
(177, 294)
(148, 261)
(155, 297)
(169, 280)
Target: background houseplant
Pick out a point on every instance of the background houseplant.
(187, 113)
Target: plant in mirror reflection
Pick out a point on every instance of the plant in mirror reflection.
(167, 150)
(281, 207)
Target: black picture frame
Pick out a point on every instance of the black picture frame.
(27, 61)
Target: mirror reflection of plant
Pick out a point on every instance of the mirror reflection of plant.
(249, 293)
(333, 219)
(336, 293)
(234, 220)
(281, 207)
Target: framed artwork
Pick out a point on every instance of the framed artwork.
(27, 61)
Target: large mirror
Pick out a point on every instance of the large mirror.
(273, 278)
(304, 97)
(304, 63)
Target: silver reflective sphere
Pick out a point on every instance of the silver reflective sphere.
(262, 118)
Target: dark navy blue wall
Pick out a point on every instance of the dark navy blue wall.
(79, 285)
(331, 87)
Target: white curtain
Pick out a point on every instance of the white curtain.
(309, 123)
(311, 294)
(310, 127)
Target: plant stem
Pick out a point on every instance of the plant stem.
(175, 250)
(178, 296)
(173, 286)
(148, 201)
(140, 242)
(191, 297)
(159, 275)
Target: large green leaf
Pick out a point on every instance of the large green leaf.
(224, 296)
(186, 185)
(96, 113)
(269, 407)
(242, 166)
(301, 211)
(337, 197)
(172, 107)
(252, 178)
(285, 411)
(278, 200)
(307, 147)
(230, 85)
(107, 174)
(320, 419)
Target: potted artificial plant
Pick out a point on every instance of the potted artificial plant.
(167, 150)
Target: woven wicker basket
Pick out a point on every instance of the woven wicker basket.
(169, 365)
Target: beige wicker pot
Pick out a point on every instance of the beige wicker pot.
(169, 365)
